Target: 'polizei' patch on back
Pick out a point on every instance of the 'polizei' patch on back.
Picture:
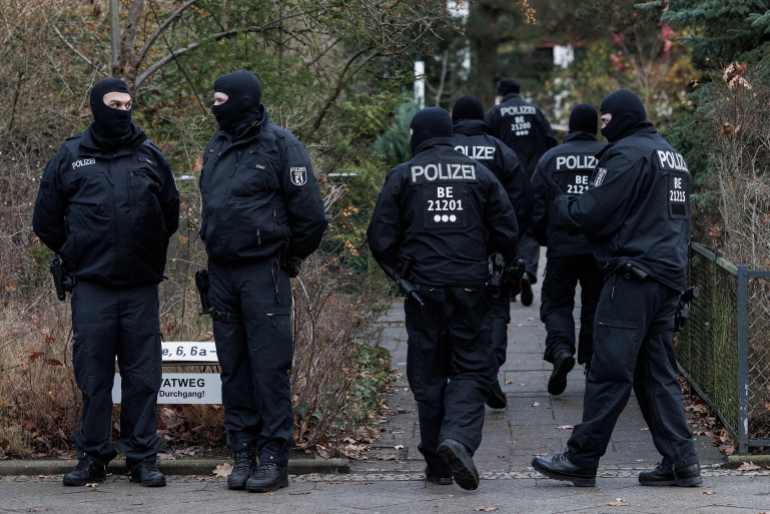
(298, 175)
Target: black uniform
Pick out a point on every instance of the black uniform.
(261, 210)
(525, 129)
(566, 170)
(471, 138)
(637, 216)
(437, 219)
(108, 209)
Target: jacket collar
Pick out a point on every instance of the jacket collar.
(579, 136)
(471, 127)
(432, 143)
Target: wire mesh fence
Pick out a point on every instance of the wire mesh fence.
(725, 348)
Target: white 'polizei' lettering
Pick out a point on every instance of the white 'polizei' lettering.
(443, 171)
(479, 153)
(83, 162)
(576, 162)
(516, 110)
(672, 160)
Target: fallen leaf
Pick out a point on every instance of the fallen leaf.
(536, 404)
(398, 447)
(619, 502)
(566, 427)
(490, 508)
(709, 493)
(748, 466)
(223, 470)
(92, 485)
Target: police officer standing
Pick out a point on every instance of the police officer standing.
(438, 218)
(471, 138)
(262, 215)
(638, 214)
(524, 128)
(566, 170)
(107, 206)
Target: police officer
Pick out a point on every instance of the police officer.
(107, 205)
(262, 215)
(471, 138)
(638, 214)
(438, 218)
(566, 170)
(524, 128)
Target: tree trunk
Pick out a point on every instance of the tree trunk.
(483, 37)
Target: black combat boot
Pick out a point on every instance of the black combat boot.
(87, 471)
(460, 463)
(527, 295)
(272, 472)
(562, 365)
(438, 475)
(244, 463)
(559, 467)
(496, 398)
(666, 475)
(147, 472)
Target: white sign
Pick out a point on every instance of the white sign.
(182, 388)
(189, 351)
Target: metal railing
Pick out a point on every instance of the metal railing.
(724, 351)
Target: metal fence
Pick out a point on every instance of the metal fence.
(725, 348)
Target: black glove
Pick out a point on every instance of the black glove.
(291, 265)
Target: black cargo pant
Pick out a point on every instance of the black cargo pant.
(529, 251)
(124, 323)
(499, 318)
(632, 350)
(562, 274)
(448, 365)
(252, 331)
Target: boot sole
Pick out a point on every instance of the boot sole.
(157, 483)
(681, 482)
(557, 383)
(78, 483)
(576, 481)
(439, 481)
(272, 487)
(463, 469)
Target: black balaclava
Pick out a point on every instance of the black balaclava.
(584, 118)
(627, 111)
(243, 107)
(429, 123)
(467, 108)
(508, 87)
(111, 126)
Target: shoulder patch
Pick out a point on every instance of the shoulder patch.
(298, 175)
(601, 174)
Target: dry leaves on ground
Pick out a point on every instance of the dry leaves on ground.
(618, 502)
(490, 508)
(749, 466)
(223, 470)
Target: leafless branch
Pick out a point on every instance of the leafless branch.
(75, 50)
(170, 19)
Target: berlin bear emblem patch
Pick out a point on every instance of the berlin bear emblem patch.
(298, 175)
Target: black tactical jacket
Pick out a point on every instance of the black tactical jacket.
(638, 208)
(108, 215)
(472, 139)
(563, 170)
(438, 218)
(523, 127)
(260, 197)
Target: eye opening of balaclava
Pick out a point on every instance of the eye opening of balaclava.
(467, 108)
(429, 123)
(243, 106)
(627, 112)
(584, 118)
(109, 123)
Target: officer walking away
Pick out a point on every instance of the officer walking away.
(262, 215)
(566, 170)
(524, 128)
(472, 139)
(438, 218)
(638, 214)
(107, 207)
